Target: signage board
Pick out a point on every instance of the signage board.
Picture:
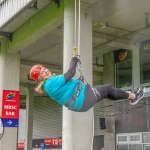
(21, 145)
(9, 122)
(42, 145)
(10, 104)
(53, 141)
(145, 47)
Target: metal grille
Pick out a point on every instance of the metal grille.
(132, 118)
(9, 8)
(47, 120)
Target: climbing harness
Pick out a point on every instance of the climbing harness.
(72, 99)
(81, 79)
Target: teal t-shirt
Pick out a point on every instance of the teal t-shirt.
(61, 92)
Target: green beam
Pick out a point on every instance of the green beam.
(35, 23)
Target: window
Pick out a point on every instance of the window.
(145, 61)
(135, 147)
(137, 138)
(123, 61)
(122, 147)
(122, 139)
(146, 137)
(133, 141)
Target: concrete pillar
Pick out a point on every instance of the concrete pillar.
(109, 68)
(29, 117)
(108, 78)
(9, 79)
(68, 117)
(136, 67)
(77, 127)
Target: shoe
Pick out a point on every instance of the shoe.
(138, 96)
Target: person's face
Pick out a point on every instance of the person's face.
(45, 73)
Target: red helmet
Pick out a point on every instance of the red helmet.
(35, 71)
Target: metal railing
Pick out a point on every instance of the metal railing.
(9, 8)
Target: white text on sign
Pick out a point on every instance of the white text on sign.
(10, 113)
(10, 107)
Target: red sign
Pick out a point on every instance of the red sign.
(10, 104)
(53, 141)
(21, 145)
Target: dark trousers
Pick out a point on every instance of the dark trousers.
(105, 91)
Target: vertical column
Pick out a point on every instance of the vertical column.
(78, 127)
(136, 68)
(68, 116)
(9, 79)
(108, 78)
(29, 117)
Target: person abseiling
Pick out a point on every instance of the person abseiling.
(74, 94)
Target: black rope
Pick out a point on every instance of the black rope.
(3, 130)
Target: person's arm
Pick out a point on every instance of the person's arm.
(72, 69)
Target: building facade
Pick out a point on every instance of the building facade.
(114, 47)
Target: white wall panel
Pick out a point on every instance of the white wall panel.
(21, 129)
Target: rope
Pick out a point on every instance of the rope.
(75, 49)
(76, 53)
(76, 45)
(2, 126)
(79, 28)
(75, 24)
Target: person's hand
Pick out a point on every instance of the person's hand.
(77, 59)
